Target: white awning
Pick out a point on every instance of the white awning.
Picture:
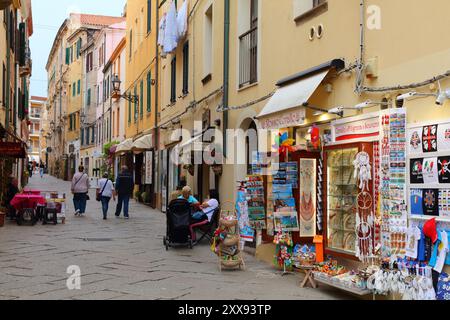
(125, 146)
(142, 144)
(289, 97)
(196, 139)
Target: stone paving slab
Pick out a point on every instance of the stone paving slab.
(125, 260)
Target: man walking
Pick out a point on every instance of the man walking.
(124, 189)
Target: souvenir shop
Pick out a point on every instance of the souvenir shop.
(364, 205)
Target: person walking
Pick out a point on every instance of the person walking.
(30, 169)
(80, 190)
(105, 191)
(41, 169)
(124, 189)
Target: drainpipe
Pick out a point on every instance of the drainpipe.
(360, 72)
(226, 72)
(8, 62)
(156, 148)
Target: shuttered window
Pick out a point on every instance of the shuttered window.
(149, 92)
(135, 106)
(149, 15)
(173, 81)
(88, 97)
(79, 87)
(141, 99)
(67, 55)
(186, 68)
(129, 112)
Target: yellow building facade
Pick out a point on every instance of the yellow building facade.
(138, 149)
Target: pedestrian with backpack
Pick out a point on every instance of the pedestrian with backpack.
(105, 191)
(80, 190)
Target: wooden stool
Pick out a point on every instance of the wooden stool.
(309, 276)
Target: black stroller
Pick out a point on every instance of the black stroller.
(178, 222)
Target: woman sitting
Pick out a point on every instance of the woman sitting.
(186, 193)
(206, 210)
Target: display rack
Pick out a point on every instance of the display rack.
(229, 251)
(416, 151)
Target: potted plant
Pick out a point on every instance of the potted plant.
(137, 195)
(144, 197)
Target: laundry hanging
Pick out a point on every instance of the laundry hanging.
(171, 30)
(182, 22)
(162, 30)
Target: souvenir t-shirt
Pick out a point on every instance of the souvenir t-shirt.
(431, 202)
(443, 288)
(424, 249)
(414, 235)
(440, 252)
(435, 251)
(416, 201)
(444, 169)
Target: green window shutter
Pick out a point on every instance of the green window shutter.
(149, 92)
(135, 106)
(67, 55)
(79, 87)
(141, 99)
(89, 97)
(129, 112)
(74, 88)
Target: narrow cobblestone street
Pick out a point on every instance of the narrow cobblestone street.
(125, 259)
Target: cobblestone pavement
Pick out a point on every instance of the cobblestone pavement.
(125, 259)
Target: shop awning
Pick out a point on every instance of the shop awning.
(286, 107)
(195, 140)
(125, 146)
(142, 144)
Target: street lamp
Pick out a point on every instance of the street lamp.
(116, 86)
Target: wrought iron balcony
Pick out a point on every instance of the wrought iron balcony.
(25, 69)
(248, 57)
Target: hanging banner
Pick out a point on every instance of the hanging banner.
(149, 167)
(308, 197)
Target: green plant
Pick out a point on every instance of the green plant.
(137, 195)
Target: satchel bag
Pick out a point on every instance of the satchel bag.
(99, 196)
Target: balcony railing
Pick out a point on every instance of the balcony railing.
(248, 57)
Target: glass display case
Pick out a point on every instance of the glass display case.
(342, 192)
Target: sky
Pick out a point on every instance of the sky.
(48, 15)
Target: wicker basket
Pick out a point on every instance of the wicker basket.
(231, 263)
(231, 240)
(228, 223)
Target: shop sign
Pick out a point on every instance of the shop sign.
(365, 127)
(12, 149)
(149, 167)
(287, 119)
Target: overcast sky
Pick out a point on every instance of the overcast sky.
(48, 15)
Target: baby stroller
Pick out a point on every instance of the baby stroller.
(178, 222)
